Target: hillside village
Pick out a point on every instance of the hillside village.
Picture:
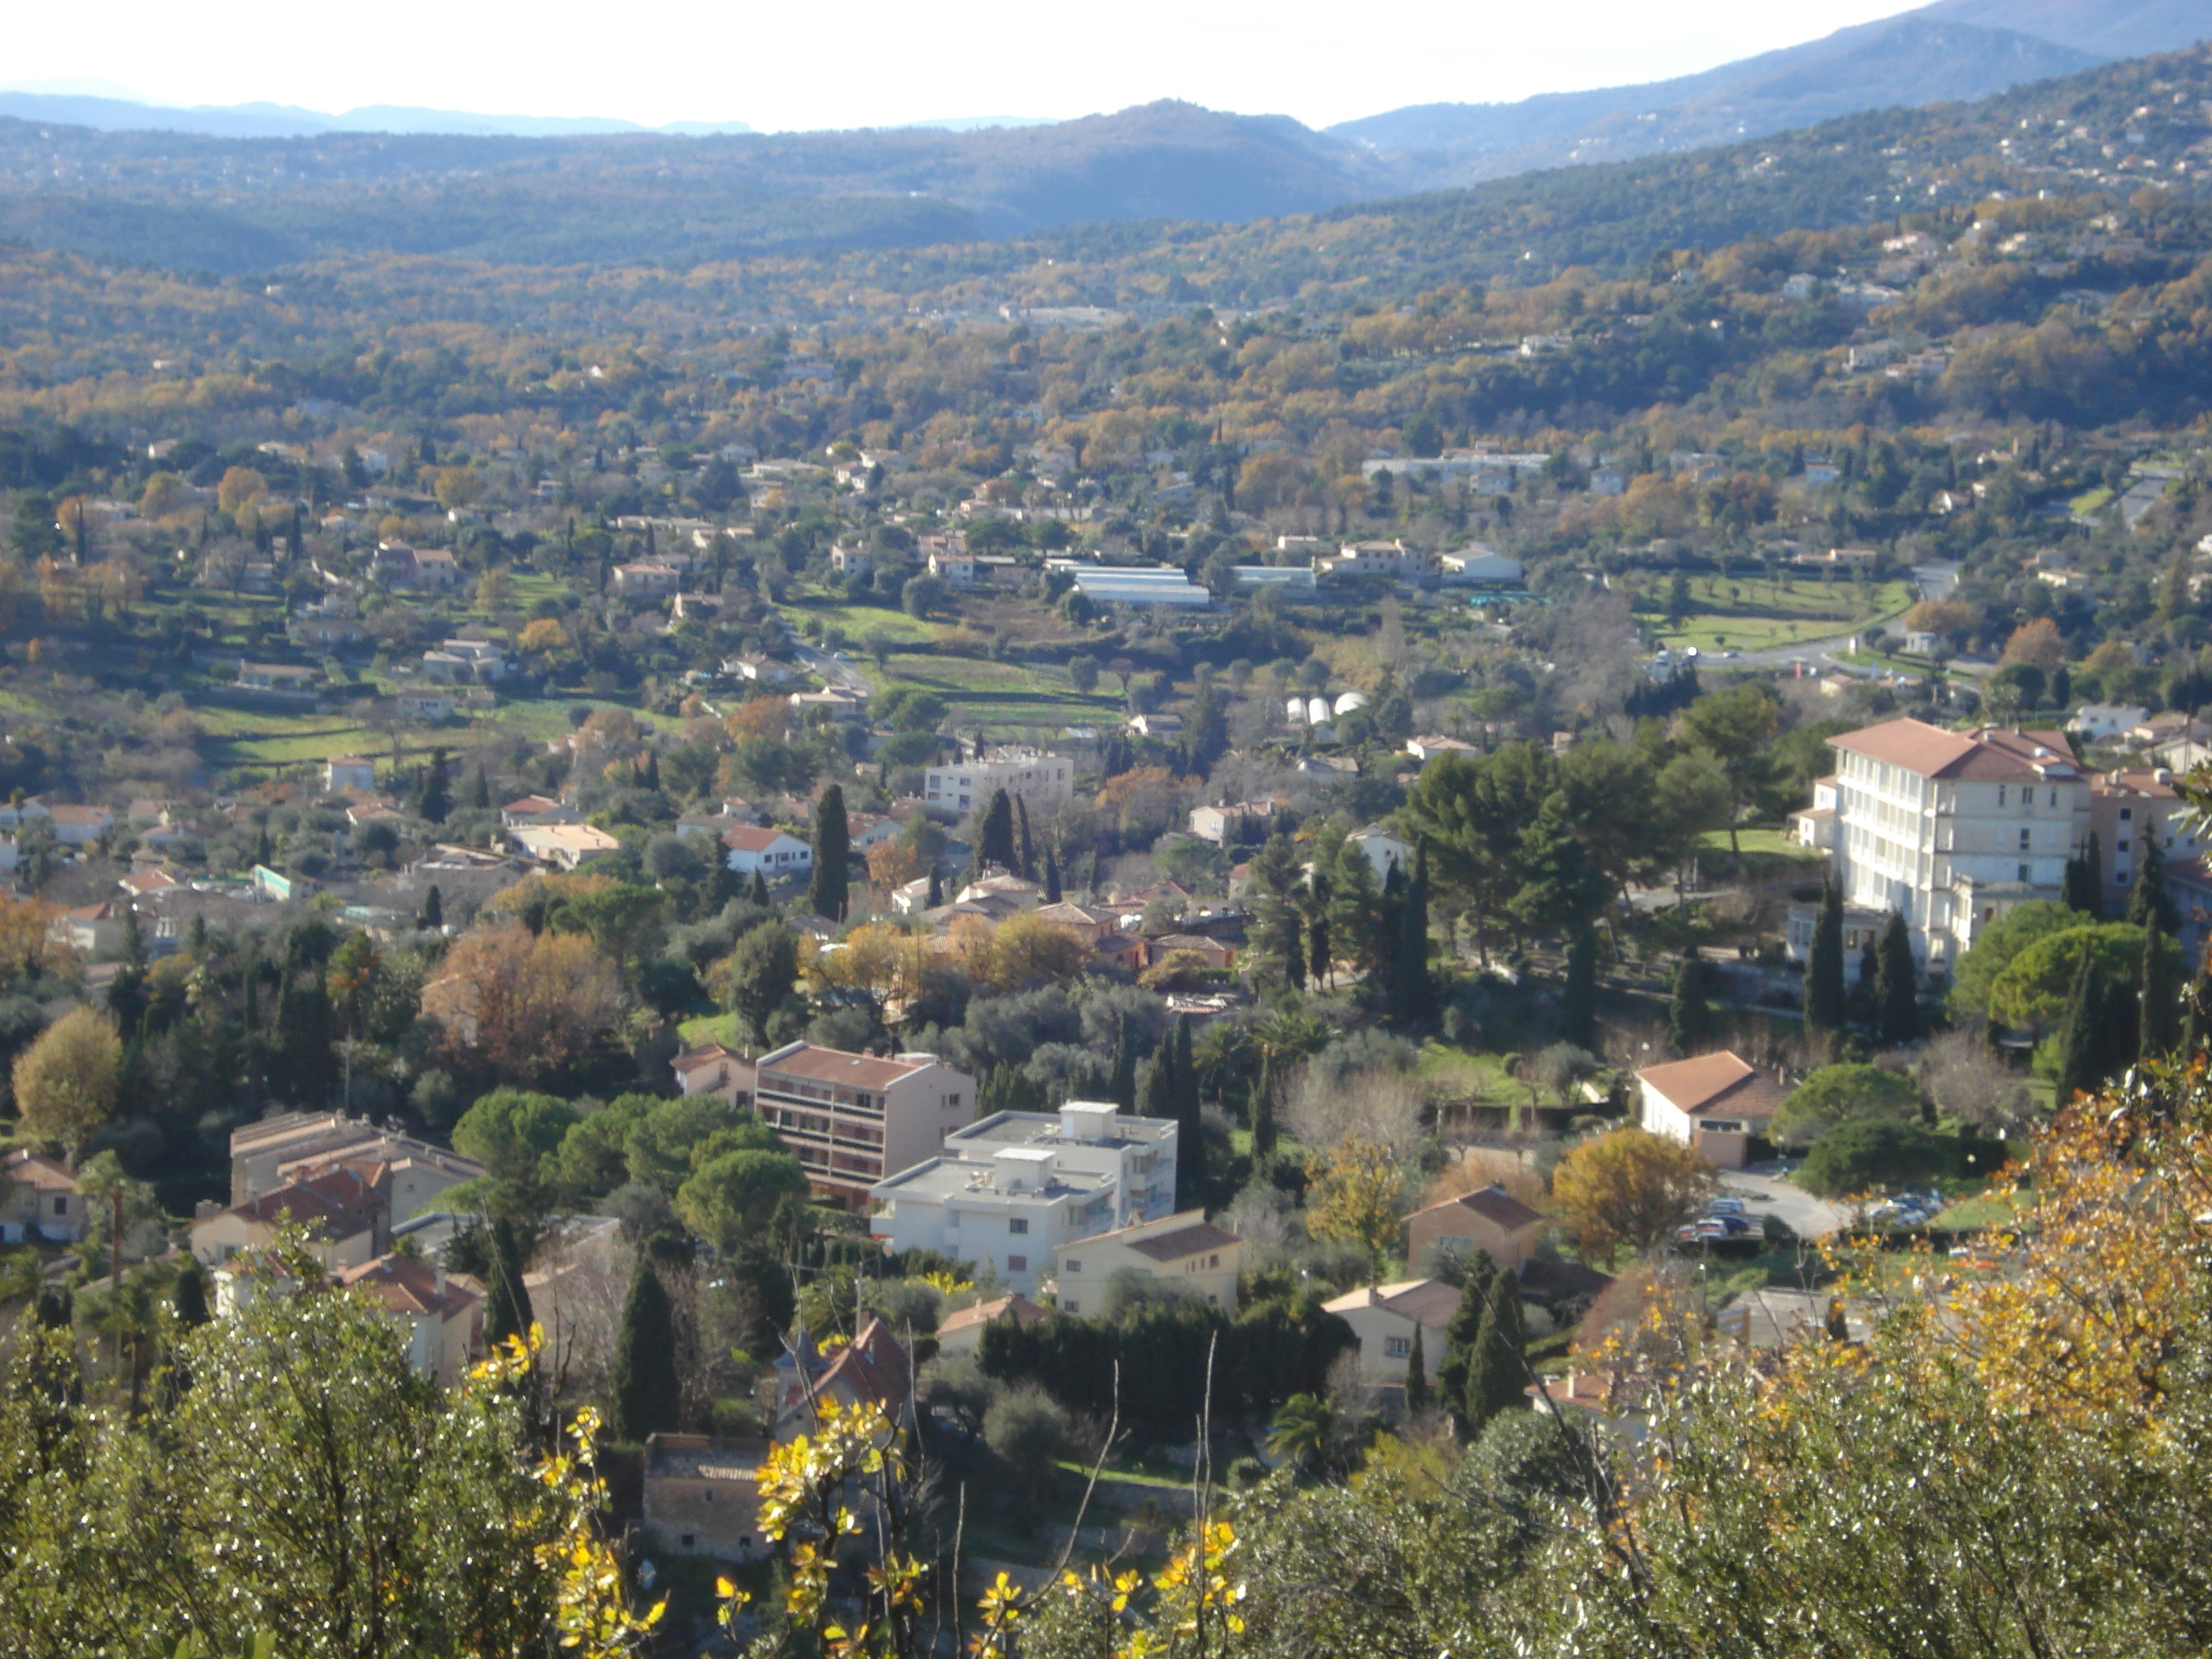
(822, 970)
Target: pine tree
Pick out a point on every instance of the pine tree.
(1413, 990)
(641, 1385)
(1025, 866)
(1418, 1393)
(1052, 894)
(433, 909)
(995, 837)
(829, 889)
(1691, 1027)
(2158, 1002)
(506, 1298)
(1578, 998)
(1897, 984)
(1823, 972)
(2077, 1040)
(2148, 906)
(191, 1297)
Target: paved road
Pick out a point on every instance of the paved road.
(833, 672)
(1809, 1217)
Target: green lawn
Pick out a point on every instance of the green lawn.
(708, 1028)
(1990, 1209)
(1470, 1073)
(2089, 501)
(1768, 843)
(1751, 613)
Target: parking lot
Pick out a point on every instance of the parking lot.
(1766, 1194)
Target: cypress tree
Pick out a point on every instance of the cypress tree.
(1263, 1117)
(1320, 955)
(1124, 1085)
(723, 886)
(506, 1298)
(2147, 903)
(641, 1383)
(1823, 972)
(1026, 868)
(1462, 1337)
(936, 888)
(995, 837)
(2078, 1043)
(480, 792)
(437, 789)
(191, 1297)
(2156, 1003)
(1869, 964)
(434, 908)
(758, 891)
(1156, 1091)
(1418, 1393)
(1497, 1368)
(2083, 878)
(1414, 994)
(1052, 894)
(1191, 1172)
(1578, 998)
(828, 890)
(1691, 1027)
(1897, 984)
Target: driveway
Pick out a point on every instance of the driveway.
(1809, 1217)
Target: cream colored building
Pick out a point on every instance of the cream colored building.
(852, 1119)
(38, 1198)
(443, 1320)
(1490, 1220)
(1714, 1103)
(1384, 1318)
(1955, 830)
(342, 1215)
(961, 1332)
(1184, 1250)
(1042, 782)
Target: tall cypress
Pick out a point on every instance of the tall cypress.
(1191, 1172)
(191, 1298)
(995, 837)
(2158, 1001)
(1124, 1085)
(433, 909)
(1052, 894)
(1418, 1393)
(1578, 998)
(1897, 984)
(1156, 1084)
(1026, 852)
(758, 891)
(1497, 1368)
(2147, 903)
(2084, 876)
(936, 887)
(437, 800)
(1823, 972)
(2078, 1042)
(1320, 949)
(1691, 1026)
(828, 889)
(642, 1386)
(1263, 1117)
(1462, 1338)
(507, 1311)
(1412, 990)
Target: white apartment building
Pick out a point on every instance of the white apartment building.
(853, 1118)
(1953, 828)
(1044, 782)
(1009, 1192)
(1184, 1251)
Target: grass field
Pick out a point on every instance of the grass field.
(1752, 613)
(1767, 843)
(256, 739)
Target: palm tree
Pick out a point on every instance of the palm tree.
(1303, 1429)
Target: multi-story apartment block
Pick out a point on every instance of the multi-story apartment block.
(1953, 828)
(2131, 814)
(1043, 782)
(853, 1118)
(1010, 1191)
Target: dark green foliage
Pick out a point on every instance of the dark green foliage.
(1413, 991)
(1052, 891)
(1263, 1115)
(643, 1393)
(1579, 996)
(433, 909)
(1191, 1172)
(1009, 1089)
(436, 801)
(994, 835)
(1896, 985)
(2084, 880)
(2148, 902)
(190, 1298)
(1418, 1392)
(1692, 1027)
(827, 891)
(507, 1311)
(1122, 1087)
(1156, 1096)
(2158, 1007)
(1483, 1370)
(1870, 1153)
(1024, 849)
(1563, 890)
(1824, 970)
(757, 893)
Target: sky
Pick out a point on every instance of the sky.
(869, 63)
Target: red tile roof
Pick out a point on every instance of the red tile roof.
(1709, 1081)
(835, 1066)
(1991, 755)
(406, 1285)
(1494, 1205)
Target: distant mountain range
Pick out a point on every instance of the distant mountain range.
(105, 114)
(1953, 49)
(105, 182)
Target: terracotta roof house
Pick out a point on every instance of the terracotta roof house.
(871, 1368)
(342, 1215)
(1183, 1249)
(1384, 1318)
(39, 1199)
(444, 1320)
(1713, 1102)
(1490, 1219)
(962, 1332)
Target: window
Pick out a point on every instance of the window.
(687, 1540)
(2023, 841)
(1017, 1223)
(1396, 1347)
(61, 1207)
(1213, 1261)
(2024, 876)
(1073, 1265)
(1070, 1307)
(2127, 813)
(2123, 843)
(1018, 1264)
(2054, 796)
(709, 1494)
(2001, 794)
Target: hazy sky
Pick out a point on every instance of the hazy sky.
(865, 62)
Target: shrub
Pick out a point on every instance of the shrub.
(1857, 1157)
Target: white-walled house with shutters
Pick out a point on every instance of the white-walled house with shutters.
(772, 851)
